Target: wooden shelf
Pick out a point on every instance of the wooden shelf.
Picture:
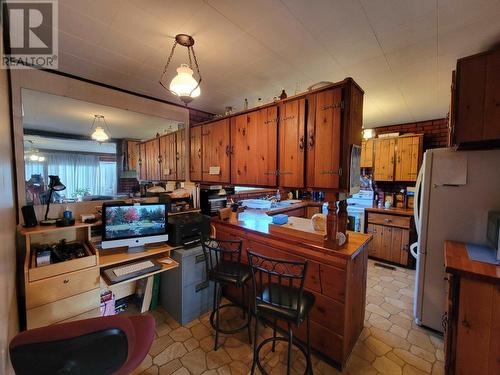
(39, 229)
(109, 257)
(165, 267)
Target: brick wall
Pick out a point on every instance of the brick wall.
(196, 116)
(435, 131)
(128, 185)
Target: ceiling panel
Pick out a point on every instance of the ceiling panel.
(400, 51)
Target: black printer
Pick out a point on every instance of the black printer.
(186, 229)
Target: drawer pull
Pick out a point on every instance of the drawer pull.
(388, 220)
(199, 287)
(65, 281)
(200, 258)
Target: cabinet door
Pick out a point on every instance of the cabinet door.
(408, 156)
(399, 246)
(471, 73)
(375, 245)
(323, 152)
(384, 159)
(215, 148)
(152, 158)
(167, 157)
(195, 153)
(141, 161)
(131, 158)
(254, 148)
(180, 155)
(386, 242)
(292, 143)
(491, 128)
(366, 154)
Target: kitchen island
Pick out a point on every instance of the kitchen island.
(337, 278)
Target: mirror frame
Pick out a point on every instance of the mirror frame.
(62, 84)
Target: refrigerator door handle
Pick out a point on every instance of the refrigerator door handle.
(413, 250)
(417, 203)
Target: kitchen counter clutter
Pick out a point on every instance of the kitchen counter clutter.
(337, 278)
(471, 321)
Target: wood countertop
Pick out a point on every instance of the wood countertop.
(391, 211)
(457, 261)
(257, 221)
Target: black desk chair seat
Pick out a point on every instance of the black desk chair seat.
(224, 268)
(279, 295)
(285, 303)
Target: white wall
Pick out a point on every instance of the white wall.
(8, 299)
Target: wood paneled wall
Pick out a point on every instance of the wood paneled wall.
(8, 299)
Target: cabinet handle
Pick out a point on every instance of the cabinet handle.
(388, 220)
(227, 150)
(311, 141)
(301, 143)
(177, 156)
(200, 258)
(65, 281)
(199, 153)
(201, 286)
(466, 324)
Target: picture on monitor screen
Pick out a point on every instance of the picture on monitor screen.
(134, 221)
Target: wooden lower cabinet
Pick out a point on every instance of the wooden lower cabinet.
(337, 315)
(392, 236)
(472, 331)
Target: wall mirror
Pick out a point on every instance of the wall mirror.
(60, 139)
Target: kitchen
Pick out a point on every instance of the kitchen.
(350, 156)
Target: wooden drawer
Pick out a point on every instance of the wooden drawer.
(62, 286)
(390, 220)
(328, 313)
(333, 282)
(94, 313)
(63, 309)
(38, 273)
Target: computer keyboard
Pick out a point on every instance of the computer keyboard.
(131, 270)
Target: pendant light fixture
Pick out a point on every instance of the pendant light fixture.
(184, 85)
(32, 154)
(99, 133)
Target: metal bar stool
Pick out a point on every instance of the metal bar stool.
(279, 295)
(224, 268)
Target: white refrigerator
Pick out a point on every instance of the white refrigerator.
(453, 194)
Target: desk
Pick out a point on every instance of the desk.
(70, 290)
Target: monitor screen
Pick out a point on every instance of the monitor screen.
(133, 220)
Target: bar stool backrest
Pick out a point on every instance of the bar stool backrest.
(216, 251)
(277, 276)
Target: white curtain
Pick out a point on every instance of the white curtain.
(82, 174)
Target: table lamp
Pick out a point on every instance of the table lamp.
(55, 184)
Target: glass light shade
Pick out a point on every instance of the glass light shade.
(368, 133)
(99, 135)
(34, 157)
(41, 158)
(183, 83)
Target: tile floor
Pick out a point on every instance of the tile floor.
(389, 344)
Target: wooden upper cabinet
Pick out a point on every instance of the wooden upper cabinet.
(167, 157)
(180, 156)
(408, 157)
(477, 99)
(152, 159)
(130, 155)
(215, 145)
(324, 140)
(292, 143)
(195, 153)
(366, 154)
(141, 161)
(254, 147)
(384, 159)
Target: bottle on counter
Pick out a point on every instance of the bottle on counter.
(245, 104)
(283, 94)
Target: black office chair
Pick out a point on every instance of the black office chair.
(224, 268)
(279, 295)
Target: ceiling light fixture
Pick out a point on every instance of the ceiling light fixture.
(184, 85)
(32, 154)
(368, 133)
(99, 133)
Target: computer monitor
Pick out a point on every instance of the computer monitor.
(133, 225)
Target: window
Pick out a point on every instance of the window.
(86, 176)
